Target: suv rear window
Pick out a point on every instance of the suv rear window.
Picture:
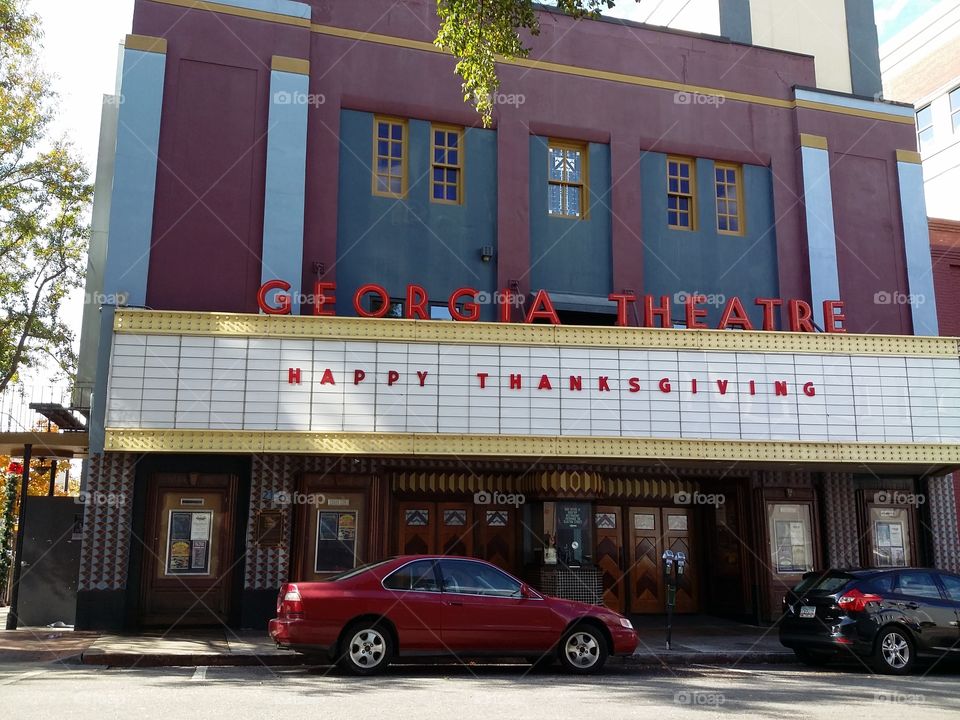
(881, 585)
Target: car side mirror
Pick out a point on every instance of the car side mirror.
(526, 592)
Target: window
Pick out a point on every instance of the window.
(791, 538)
(567, 180)
(390, 157)
(447, 180)
(681, 193)
(729, 184)
(881, 585)
(952, 584)
(918, 584)
(440, 312)
(473, 578)
(336, 540)
(375, 304)
(891, 536)
(955, 109)
(925, 126)
(419, 576)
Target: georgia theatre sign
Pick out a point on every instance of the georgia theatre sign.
(274, 299)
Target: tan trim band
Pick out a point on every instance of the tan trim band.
(290, 65)
(146, 44)
(909, 156)
(158, 322)
(642, 81)
(814, 141)
(237, 11)
(439, 445)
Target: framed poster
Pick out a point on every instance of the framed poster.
(791, 538)
(336, 540)
(270, 528)
(188, 542)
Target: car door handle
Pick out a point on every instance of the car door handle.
(454, 603)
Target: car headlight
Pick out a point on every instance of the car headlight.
(626, 623)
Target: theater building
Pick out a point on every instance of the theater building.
(658, 304)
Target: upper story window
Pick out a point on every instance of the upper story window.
(729, 185)
(681, 193)
(567, 179)
(389, 157)
(925, 126)
(447, 161)
(955, 109)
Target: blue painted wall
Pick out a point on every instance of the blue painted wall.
(393, 242)
(703, 260)
(571, 256)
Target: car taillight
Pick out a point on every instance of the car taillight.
(856, 601)
(290, 602)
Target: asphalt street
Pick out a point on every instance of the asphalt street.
(45, 690)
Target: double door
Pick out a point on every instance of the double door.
(630, 546)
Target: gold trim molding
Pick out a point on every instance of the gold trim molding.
(146, 44)
(813, 141)
(308, 327)
(566, 447)
(909, 156)
(297, 66)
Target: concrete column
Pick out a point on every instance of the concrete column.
(821, 233)
(283, 214)
(916, 240)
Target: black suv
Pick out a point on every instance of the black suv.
(888, 617)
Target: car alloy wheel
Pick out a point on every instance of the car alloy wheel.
(895, 652)
(583, 650)
(367, 650)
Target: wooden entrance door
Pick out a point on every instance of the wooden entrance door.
(650, 532)
(608, 531)
(431, 528)
(189, 547)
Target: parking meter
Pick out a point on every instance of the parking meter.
(668, 560)
(681, 563)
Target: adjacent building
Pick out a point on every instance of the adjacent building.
(658, 305)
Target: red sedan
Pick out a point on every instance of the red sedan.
(436, 606)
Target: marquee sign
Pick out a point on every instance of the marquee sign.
(227, 382)
(797, 315)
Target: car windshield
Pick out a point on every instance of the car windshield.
(346, 575)
(826, 583)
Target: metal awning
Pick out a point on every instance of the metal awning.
(63, 417)
(45, 445)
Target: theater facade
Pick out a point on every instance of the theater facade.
(675, 299)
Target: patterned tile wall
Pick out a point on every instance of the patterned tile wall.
(107, 514)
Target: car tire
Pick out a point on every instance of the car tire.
(366, 649)
(583, 649)
(812, 658)
(895, 653)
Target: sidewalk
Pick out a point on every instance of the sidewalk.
(696, 641)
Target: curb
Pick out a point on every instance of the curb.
(673, 659)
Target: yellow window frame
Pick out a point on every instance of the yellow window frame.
(739, 216)
(389, 176)
(691, 211)
(583, 184)
(458, 166)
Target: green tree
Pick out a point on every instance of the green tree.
(45, 196)
(477, 32)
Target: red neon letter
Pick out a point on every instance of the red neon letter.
(472, 310)
(664, 311)
(735, 315)
(283, 306)
(800, 314)
(506, 305)
(833, 321)
(768, 304)
(323, 296)
(416, 303)
(542, 309)
(621, 299)
(363, 291)
(694, 313)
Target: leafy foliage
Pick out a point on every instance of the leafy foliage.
(44, 200)
(477, 32)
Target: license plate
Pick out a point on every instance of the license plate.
(808, 611)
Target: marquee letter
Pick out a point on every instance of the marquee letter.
(362, 292)
(323, 295)
(327, 378)
(483, 379)
(735, 315)
(621, 299)
(834, 322)
(392, 377)
(800, 316)
(768, 304)
(416, 303)
(545, 383)
(542, 309)
(694, 313)
(664, 311)
(471, 309)
(358, 376)
(283, 306)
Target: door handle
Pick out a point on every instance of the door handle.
(454, 603)
(912, 606)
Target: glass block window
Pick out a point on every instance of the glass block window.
(567, 180)
(729, 184)
(925, 126)
(681, 193)
(447, 165)
(389, 157)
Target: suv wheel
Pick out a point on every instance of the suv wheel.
(895, 653)
(583, 649)
(367, 649)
